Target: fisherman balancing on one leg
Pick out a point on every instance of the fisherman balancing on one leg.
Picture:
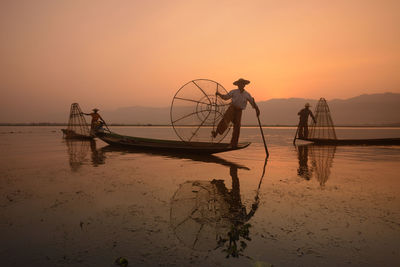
(233, 114)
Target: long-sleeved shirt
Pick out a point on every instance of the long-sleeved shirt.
(95, 116)
(239, 99)
(304, 113)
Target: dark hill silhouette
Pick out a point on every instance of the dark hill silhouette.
(367, 109)
(373, 109)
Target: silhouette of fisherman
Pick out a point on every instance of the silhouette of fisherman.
(233, 114)
(303, 124)
(97, 120)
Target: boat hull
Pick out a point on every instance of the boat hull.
(381, 141)
(139, 143)
(69, 134)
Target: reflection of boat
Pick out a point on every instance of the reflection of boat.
(78, 150)
(190, 156)
(207, 215)
(381, 141)
(140, 143)
(321, 160)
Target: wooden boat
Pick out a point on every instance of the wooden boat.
(380, 141)
(140, 143)
(70, 134)
(322, 131)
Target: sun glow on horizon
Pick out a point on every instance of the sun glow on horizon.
(109, 54)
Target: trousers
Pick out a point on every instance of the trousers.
(233, 115)
(303, 130)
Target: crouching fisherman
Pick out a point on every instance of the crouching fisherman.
(97, 121)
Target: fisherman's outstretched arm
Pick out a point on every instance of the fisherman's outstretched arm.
(224, 97)
(101, 119)
(312, 116)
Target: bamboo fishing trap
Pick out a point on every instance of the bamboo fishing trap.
(196, 111)
(77, 126)
(323, 128)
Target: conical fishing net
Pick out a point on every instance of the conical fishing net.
(196, 111)
(323, 128)
(322, 158)
(77, 126)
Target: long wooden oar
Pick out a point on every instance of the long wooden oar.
(295, 136)
(105, 124)
(254, 207)
(262, 134)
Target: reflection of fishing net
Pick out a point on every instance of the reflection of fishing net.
(77, 151)
(196, 111)
(322, 158)
(199, 215)
(324, 128)
(77, 126)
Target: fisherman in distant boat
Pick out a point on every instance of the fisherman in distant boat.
(303, 124)
(233, 114)
(97, 121)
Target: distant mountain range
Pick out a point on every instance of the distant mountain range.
(363, 110)
(373, 109)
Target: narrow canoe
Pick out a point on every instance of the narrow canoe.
(131, 142)
(381, 141)
(69, 134)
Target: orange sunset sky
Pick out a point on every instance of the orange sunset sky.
(111, 54)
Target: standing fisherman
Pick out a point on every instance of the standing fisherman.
(233, 114)
(303, 124)
(97, 120)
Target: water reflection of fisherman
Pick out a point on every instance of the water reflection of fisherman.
(237, 209)
(97, 120)
(98, 157)
(199, 208)
(303, 170)
(238, 215)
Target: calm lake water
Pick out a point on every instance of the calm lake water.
(81, 203)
